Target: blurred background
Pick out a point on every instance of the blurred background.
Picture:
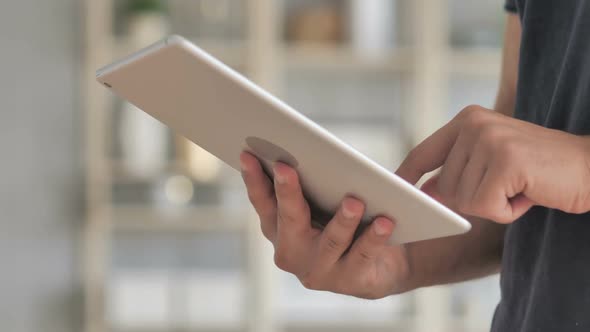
(113, 223)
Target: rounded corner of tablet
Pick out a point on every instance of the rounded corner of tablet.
(179, 41)
(175, 40)
(463, 226)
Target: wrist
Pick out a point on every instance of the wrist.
(413, 276)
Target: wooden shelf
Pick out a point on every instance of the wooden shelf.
(310, 56)
(143, 218)
(230, 52)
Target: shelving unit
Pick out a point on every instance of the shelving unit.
(400, 97)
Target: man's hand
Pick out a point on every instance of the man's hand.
(371, 269)
(497, 167)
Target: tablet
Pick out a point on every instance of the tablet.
(220, 110)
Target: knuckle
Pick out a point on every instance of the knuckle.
(470, 111)
(286, 217)
(311, 281)
(369, 286)
(282, 260)
(333, 243)
(266, 231)
(365, 254)
(475, 118)
(490, 136)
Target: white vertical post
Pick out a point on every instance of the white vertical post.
(263, 36)
(431, 31)
(97, 46)
(262, 68)
(261, 282)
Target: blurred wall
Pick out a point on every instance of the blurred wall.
(40, 166)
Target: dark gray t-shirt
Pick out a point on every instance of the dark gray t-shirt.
(545, 278)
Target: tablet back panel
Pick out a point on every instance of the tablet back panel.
(224, 113)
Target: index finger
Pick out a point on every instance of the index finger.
(261, 194)
(430, 154)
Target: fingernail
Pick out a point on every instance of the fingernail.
(350, 210)
(278, 176)
(243, 164)
(347, 213)
(381, 227)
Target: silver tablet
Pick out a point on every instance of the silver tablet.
(220, 110)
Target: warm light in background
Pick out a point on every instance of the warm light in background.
(179, 189)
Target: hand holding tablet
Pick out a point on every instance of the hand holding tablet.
(223, 112)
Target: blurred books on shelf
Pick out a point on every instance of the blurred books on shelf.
(367, 27)
(323, 24)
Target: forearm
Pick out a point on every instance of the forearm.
(477, 253)
(458, 258)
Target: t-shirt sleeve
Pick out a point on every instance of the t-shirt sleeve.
(510, 6)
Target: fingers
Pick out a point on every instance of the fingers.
(469, 182)
(260, 193)
(292, 207)
(492, 201)
(294, 232)
(430, 154)
(452, 170)
(338, 234)
(367, 247)
(520, 204)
